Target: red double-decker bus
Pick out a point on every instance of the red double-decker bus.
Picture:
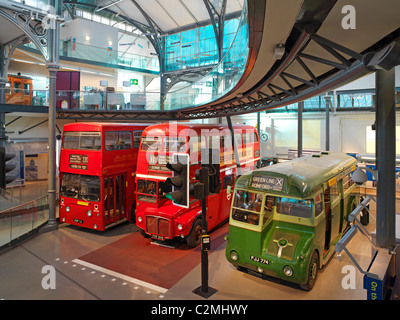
(97, 173)
(156, 215)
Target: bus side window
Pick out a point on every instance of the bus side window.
(334, 191)
(238, 139)
(214, 142)
(136, 138)
(318, 205)
(268, 208)
(346, 182)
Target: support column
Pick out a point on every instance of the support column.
(52, 67)
(300, 107)
(386, 158)
(52, 223)
(2, 114)
(327, 130)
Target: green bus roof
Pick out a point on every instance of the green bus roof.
(299, 177)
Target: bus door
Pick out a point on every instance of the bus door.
(327, 203)
(114, 198)
(335, 210)
(332, 212)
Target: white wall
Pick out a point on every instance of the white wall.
(100, 34)
(368, 82)
(348, 131)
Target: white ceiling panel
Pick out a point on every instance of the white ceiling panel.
(172, 14)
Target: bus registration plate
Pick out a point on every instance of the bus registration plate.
(260, 260)
(78, 220)
(157, 237)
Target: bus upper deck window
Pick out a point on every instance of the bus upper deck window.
(82, 140)
(118, 140)
(90, 141)
(136, 138)
(172, 144)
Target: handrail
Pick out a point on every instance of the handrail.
(22, 205)
(344, 241)
(19, 221)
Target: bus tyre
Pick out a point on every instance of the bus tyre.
(312, 272)
(144, 234)
(133, 214)
(194, 237)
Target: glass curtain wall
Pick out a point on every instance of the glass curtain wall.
(198, 47)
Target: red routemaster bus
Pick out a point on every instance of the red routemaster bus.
(97, 173)
(156, 215)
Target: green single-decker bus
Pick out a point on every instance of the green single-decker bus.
(286, 218)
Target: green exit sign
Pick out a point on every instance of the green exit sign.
(134, 82)
(208, 83)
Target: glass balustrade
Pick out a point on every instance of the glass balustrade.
(105, 56)
(20, 220)
(38, 4)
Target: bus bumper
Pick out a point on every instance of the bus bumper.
(293, 271)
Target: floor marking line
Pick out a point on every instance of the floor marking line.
(121, 276)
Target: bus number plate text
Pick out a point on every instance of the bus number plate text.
(260, 260)
(78, 221)
(157, 237)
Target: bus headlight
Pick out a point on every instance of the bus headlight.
(139, 219)
(67, 208)
(179, 227)
(89, 213)
(288, 271)
(234, 255)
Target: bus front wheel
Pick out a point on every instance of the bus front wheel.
(312, 272)
(194, 237)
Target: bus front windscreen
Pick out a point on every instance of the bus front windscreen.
(150, 191)
(247, 207)
(294, 207)
(80, 187)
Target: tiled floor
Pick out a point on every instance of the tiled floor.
(22, 274)
(119, 264)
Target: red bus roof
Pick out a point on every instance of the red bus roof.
(80, 126)
(167, 128)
